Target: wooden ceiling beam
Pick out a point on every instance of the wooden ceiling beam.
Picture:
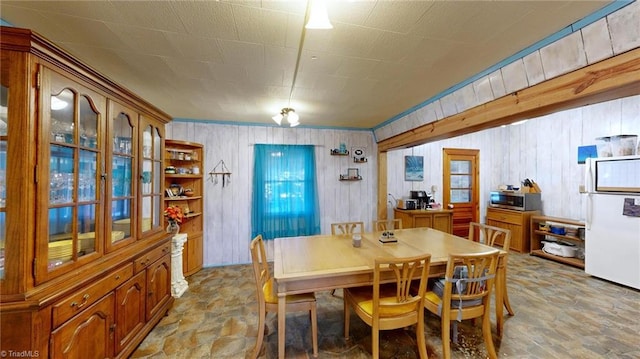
(609, 79)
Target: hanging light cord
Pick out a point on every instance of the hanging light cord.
(302, 36)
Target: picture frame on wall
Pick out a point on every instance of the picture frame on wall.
(413, 168)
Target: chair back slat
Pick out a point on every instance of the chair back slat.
(347, 228)
(488, 234)
(387, 224)
(474, 280)
(404, 270)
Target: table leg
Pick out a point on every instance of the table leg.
(500, 292)
(282, 315)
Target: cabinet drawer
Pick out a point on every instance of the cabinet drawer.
(73, 304)
(506, 216)
(142, 262)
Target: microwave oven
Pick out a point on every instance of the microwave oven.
(516, 200)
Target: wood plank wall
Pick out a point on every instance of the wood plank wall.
(227, 223)
(543, 149)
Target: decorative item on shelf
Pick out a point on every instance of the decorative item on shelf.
(342, 151)
(175, 190)
(220, 170)
(170, 170)
(353, 174)
(358, 155)
(174, 217)
(188, 192)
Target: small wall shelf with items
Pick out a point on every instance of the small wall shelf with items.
(353, 174)
(184, 189)
(568, 234)
(342, 151)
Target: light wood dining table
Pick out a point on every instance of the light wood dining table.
(325, 262)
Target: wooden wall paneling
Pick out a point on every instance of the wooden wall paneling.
(226, 238)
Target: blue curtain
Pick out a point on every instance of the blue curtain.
(285, 193)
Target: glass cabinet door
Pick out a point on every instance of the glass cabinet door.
(4, 123)
(71, 122)
(151, 178)
(122, 131)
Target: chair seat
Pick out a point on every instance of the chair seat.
(271, 297)
(363, 297)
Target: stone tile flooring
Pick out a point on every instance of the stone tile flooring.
(561, 312)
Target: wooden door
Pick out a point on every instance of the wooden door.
(130, 310)
(461, 182)
(158, 285)
(89, 335)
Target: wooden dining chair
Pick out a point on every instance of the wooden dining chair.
(268, 300)
(488, 235)
(464, 293)
(347, 228)
(387, 224)
(391, 305)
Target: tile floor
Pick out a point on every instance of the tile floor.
(560, 313)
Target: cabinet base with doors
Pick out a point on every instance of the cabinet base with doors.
(515, 221)
(184, 184)
(441, 219)
(540, 233)
(85, 269)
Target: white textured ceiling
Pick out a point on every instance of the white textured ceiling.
(235, 60)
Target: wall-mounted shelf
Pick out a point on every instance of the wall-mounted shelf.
(182, 198)
(353, 174)
(359, 160)
(337, 152)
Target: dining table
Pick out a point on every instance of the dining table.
(315, 263)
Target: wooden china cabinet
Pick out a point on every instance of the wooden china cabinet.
(85, 264)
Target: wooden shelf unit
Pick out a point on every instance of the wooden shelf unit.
(187, 156)
(537, 236)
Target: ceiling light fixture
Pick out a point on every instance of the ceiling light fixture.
(315, 17)
(319, 19)
(288, 113)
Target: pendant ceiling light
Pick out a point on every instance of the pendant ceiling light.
(319, 19)
(315, 17)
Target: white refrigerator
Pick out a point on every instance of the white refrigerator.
(612, 220)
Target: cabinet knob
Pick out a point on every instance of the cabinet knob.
(118, 277)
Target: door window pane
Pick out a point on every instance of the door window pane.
(62, 124)
(87, 180)
(86, 229)
(460, 181)
(61, 182)
(88, 124)
(60, 236)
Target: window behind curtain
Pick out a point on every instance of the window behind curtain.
(285, 194)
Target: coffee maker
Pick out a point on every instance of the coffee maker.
(422, 198)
